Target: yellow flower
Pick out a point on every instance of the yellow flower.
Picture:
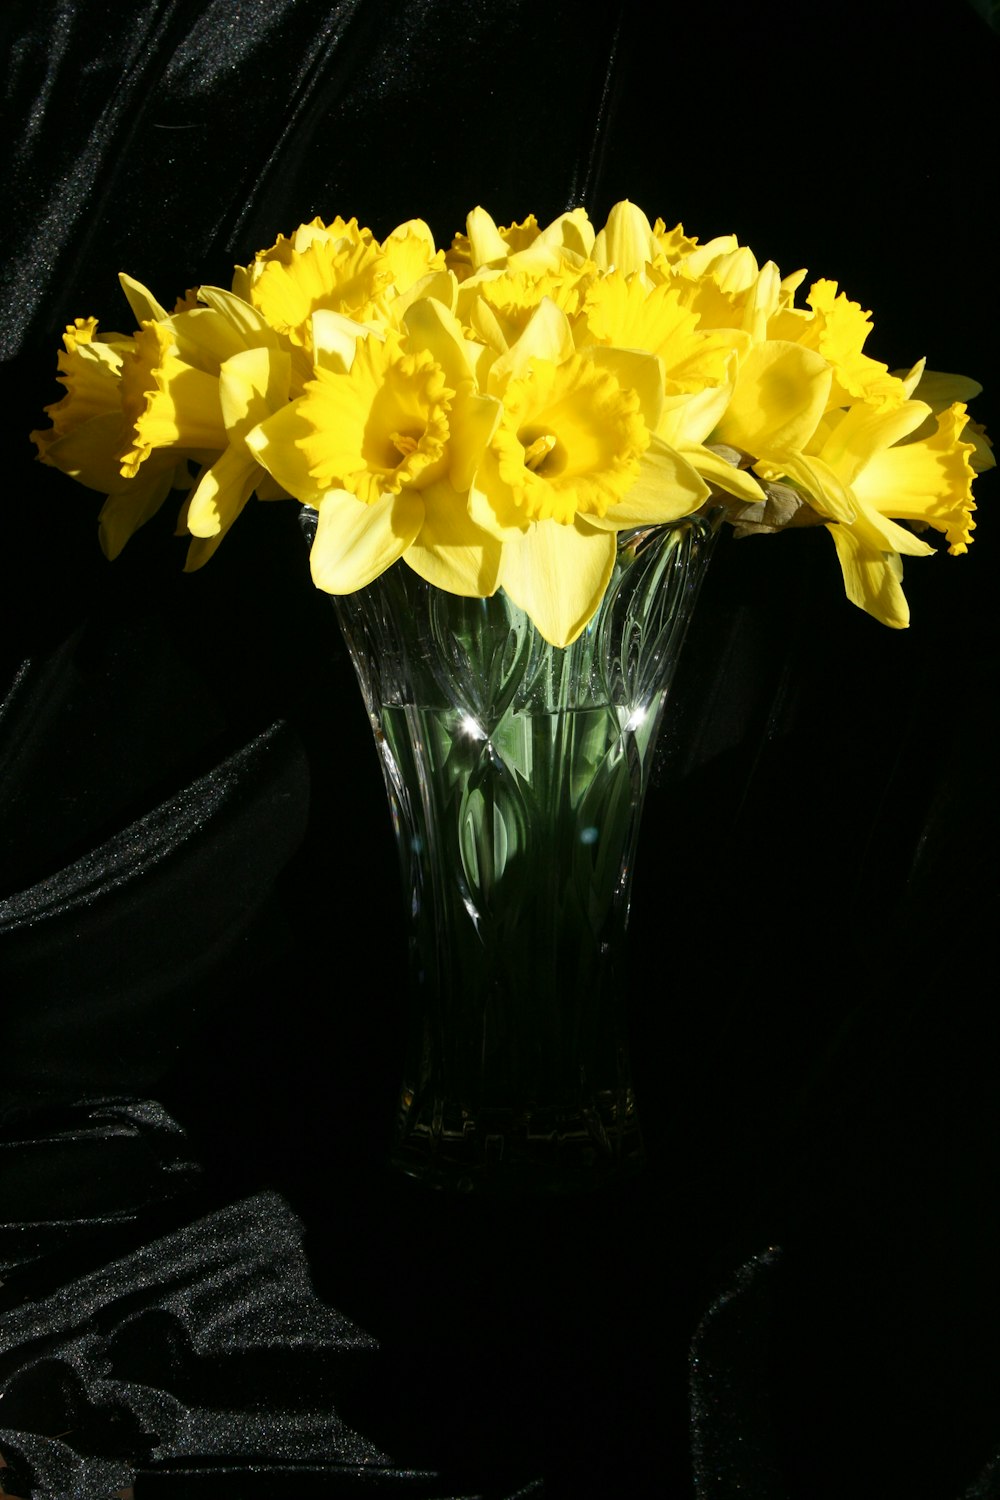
(940, 390)
(838, 328)
(673, 244)
(496, 306)
(697, 365)
(871, 457)
(195, 383)
(630, 314)
(726, 290)
(569, 441)
(374, 450)
(89, 368)
(778, 399)
(373, 430)
(410, 255)
(627, 242)
(928, 481)
(89, 430)
(168, 401)
(336, 268)
(573, 461)
(495, 416)
(523, 247)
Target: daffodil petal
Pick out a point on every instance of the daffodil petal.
(335, 339)
(762, 302)
(930, 480)
(779, 397)
(436, 286)
(913, 378)
(491, 502)
(637, 371)
(204, 338)
(142, 302)
(485, 242)
(570, 237)
(871, 578)
(434, 327)
(880, 534)
(130, 507)
(88, 452)
(722, 474)
(473, 422)
(275, 446)
(867, 430)
(547, 336)
(691, 419)
(356, 542)
(699, 262)
(666, 489)
(450, 551)
(245, 319)
(818, 480)
(252, 385)
(485, 323)
(626, 242)
(558, 575)
(221, 493)
(939, 389)
(200, 549)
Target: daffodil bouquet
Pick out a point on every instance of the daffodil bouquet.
(493, 415)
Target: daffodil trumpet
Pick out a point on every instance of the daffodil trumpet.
(493, 415)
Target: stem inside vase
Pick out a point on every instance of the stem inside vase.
(516, 773)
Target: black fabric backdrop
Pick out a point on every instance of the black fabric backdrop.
(211, 1283)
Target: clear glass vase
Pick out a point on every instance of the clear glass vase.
(516, 773)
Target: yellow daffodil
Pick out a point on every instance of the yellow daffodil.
(722, 284)
(493, 417)
(339, 268)
(496, 306)
(627, 242)
(673, 244)
(573, 461)
(336, 266)
(628, 313)
(870, 457)
(195, 383)
(569, 239)
(374, 430)
(837, 328)
(89, 369)
(697, 366)
(89, 430)
(372, 448)
(939, 390)
(779, 396)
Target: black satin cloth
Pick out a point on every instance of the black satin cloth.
(210, 1285)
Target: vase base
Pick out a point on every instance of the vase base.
(507, 1150)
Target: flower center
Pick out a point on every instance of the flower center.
(404, 443)
(571, 440)
(542, 454)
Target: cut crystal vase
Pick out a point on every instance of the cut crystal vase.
(516, 773)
